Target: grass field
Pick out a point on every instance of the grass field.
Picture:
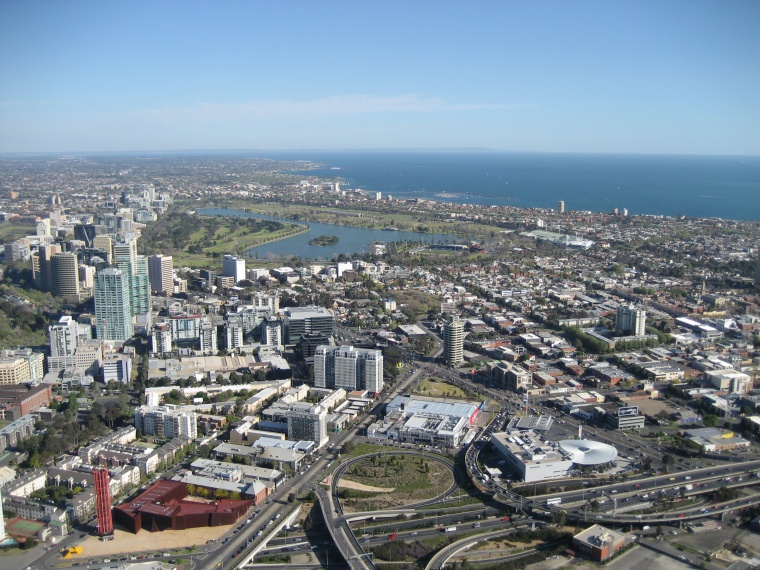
(229, 239)
(431, 387)
(11, 232)
(374, 220)
(412, 478)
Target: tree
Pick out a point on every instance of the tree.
(711, 420)
(667, 459)
(292, 498)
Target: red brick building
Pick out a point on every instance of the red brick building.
(17, 400)
(164, 506)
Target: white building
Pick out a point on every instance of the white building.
(234, 266)
(161, 273)
(166, 421)
(453, 341)
(531, 459)
(348, 368)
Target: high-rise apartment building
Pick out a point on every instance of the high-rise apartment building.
(161, 272)
(453, 341)
(272, 333)
(208, 338)
(307, 422)
(64, 336)
(630, 320)
(161, 338)
(65, 274)
(113, 307)
(234, 266)
(136, 268)
(348, 368)
(233, 329)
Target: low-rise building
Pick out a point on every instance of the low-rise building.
(598, 543)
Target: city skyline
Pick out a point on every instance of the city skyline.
(624, 77)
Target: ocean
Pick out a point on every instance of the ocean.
(693, 186)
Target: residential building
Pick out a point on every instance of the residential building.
(64, 336)
(348, 368)
(272, 333)
(307, 422)
(453, 341)
(113, 307)
(630, 320)
(207, 337)
(166, 421)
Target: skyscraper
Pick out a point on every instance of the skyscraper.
(453, 341)
(42, 267)
(135, 267)
(561, 206)
(630, 320)
(103, 500)
(65, 274)
(161, 272)
(113, 308)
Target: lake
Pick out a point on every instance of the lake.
(350, 240)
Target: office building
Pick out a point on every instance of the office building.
(87, 277)
(86, 233)
(42, 266)
(161, 273)
(14, 369)
(630, 320)
(234, 266)
(117, 367)
(303, 320)
(453, 341)
(598, 543)
(104, 243)
(65, 275)
(624, 418)
(113, 307)
(561, 206)
(348, 368)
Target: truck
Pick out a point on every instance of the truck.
(688, 487)
(449, 529)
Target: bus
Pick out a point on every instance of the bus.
(553, 502)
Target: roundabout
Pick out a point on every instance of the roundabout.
(342, 469)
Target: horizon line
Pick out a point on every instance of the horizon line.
(9, 154)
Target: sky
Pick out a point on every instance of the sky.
(639, 76)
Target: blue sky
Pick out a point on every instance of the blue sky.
(661, 77)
